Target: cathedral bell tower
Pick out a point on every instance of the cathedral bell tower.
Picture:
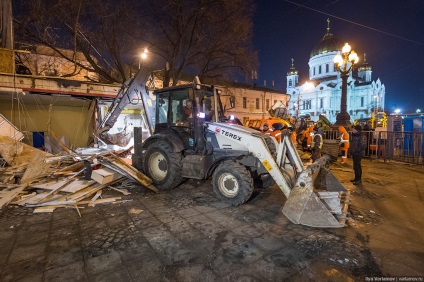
(365, 70)
(292, 78)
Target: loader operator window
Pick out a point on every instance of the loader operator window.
(182, 108)
(208, 107)
(162, 106)
(175, 108)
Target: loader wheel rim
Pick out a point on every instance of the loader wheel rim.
(228, 185)
(158, 166)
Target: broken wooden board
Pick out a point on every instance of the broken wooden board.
(9, 130)
(5, 198)
(124, 168)
(16, 153)
(72, 187)
(53, 207)
(37, 168)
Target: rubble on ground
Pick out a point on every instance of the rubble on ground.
(33, 178)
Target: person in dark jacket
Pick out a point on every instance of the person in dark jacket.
(357, 151)
(316, 144)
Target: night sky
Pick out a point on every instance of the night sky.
(390, 32)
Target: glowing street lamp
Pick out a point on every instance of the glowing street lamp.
(143, 56)
(345, 63)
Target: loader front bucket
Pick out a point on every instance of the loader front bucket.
(318, 199)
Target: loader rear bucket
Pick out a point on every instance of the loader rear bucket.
(314, 206)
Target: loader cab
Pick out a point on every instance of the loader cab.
(182, 111)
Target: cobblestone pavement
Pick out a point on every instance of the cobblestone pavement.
(187, 234)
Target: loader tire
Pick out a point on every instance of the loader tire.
(232, 183)
(163, 165)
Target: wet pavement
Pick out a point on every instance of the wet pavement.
(187, 234)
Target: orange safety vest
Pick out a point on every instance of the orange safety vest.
(294, 137)
(277, 134)
(344, 138)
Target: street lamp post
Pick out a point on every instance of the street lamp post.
(345, 63)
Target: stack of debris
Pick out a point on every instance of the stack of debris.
(33, 178)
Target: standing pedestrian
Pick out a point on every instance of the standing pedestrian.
(357, 151)
(344, 143)
(316, 144)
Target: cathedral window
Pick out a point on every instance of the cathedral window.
(321, 103)
(319, 69)
(290, 82)
(327, 68)
(362, 101)
(244, 103)
(314, 70)
(257, 103)
(267, 104)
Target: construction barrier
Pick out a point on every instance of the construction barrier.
(387, 145)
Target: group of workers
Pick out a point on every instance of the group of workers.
(277, 130)
(312, 141)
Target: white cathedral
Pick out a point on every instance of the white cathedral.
(322, 93)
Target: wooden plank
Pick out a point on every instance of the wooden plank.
(64, 147)
(134, 173)
(37, 168)
(7, 197)
(72, 198)
(72, 187)
(17, 153)
(44, 209)
(91, 203)
(123, 191)
(73, 167)
(64, 204)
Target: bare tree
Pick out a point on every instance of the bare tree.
(210, 38)
(100, 30)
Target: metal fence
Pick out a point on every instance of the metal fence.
(389, 145)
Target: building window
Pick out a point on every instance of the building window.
(244, 103)
(321, 103)
(362, 101)
(267, 104)
(314, 70)
(290, 82)
(319, 69)
(257, 103)
(327, 68)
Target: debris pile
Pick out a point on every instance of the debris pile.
(33, 178)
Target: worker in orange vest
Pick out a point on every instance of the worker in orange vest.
(307, 138)
(277, 130)
(293, 134)
(265, 129)
(344, 143)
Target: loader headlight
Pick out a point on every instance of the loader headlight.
(202, 115)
